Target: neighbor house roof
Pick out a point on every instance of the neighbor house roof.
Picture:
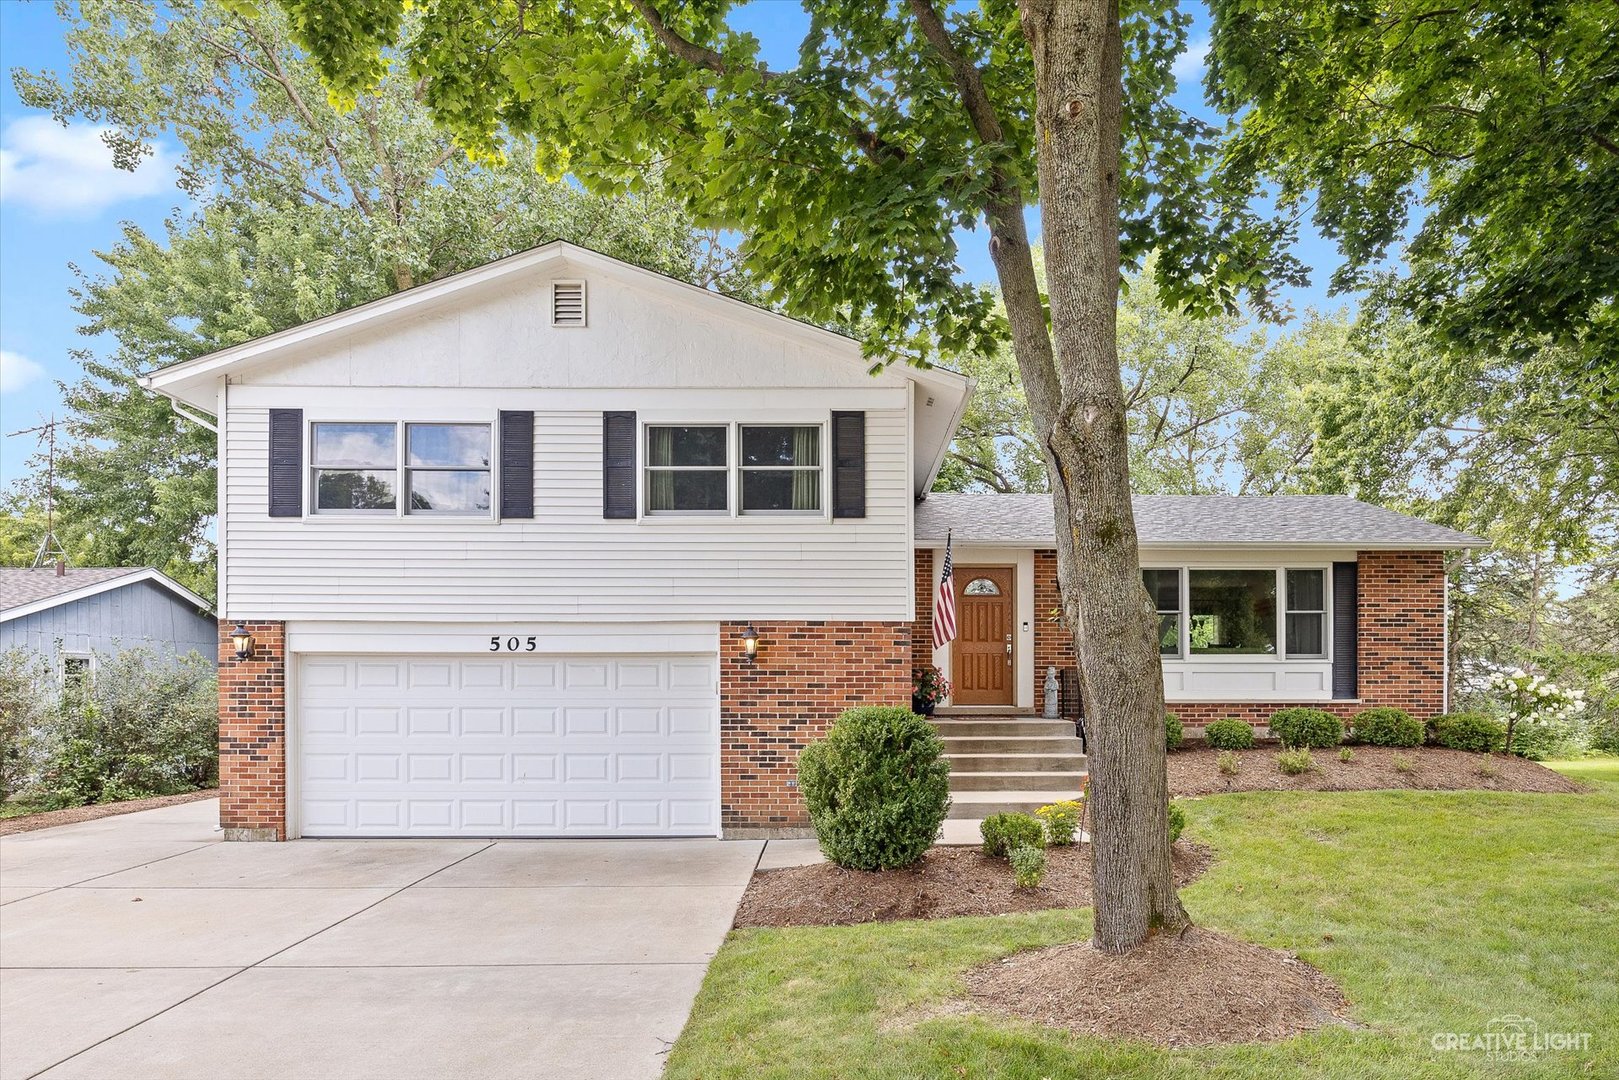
(23, 591)
(1193, 521)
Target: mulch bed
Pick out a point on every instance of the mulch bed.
(1197, 989)
(46, 819)
(1196, 771)
(948, 882)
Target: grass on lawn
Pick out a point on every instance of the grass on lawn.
(1435, 911)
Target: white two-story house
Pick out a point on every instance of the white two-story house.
(563, 547)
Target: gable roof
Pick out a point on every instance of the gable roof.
(1194, 521)
(24, 591)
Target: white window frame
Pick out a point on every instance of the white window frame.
(1180, 615)
(645, 469)
(401, 510)
(733, 467)
(1280, 629)
(819, 467)
(65, 655)
(1324, 611)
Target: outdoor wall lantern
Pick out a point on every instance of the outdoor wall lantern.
(243, 641)
(750, 644)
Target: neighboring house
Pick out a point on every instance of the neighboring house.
(501, 540)
(72, 614)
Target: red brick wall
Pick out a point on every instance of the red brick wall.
(253, 734)
(1053, 644)
(806, 674)
(922, 628)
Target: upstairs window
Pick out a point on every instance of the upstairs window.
(360, 468)
(687, 469)
(447, 468)
(356, 467)
(781, 469)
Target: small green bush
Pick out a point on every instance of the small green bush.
(1467, 731)
(1345, 754)
(1061, 820)
(1229, 763)
(1295, 762)
(1003, 832)
(1386, 727)
(1172, 731)
(1177, 822)
(1403, 763)
(1230, 734)
(1307, 728)
(877, 788)
(1028, 866)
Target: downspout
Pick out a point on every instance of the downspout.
(179, 408)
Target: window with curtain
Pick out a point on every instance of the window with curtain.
(1306, 613)
(356, 467)
(447, 468)
(687, 469)
(1232, 612)
(781, 469)
(1164, 586)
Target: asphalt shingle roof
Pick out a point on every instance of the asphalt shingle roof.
(1192, 520)
(20, 586)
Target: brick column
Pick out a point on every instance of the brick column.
(806, 674)
(1053, 644)
(1402, 630)
(253, 734)
(922, 629)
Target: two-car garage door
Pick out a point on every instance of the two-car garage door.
(507, 745)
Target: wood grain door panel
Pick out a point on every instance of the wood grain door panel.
(981, 661)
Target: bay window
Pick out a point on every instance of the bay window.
(1232, 612)
(1238, 612)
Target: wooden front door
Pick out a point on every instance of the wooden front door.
(981, 658)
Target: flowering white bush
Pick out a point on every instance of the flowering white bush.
(1538, 712)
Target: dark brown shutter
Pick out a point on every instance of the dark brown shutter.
(618, 465)
(286, 463)
(848, 464)
(1345, 630)
(516, 464)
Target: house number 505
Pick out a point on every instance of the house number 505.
(512, 644)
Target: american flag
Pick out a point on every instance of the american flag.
(944, 604)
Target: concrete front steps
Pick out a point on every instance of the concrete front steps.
(1009, 764)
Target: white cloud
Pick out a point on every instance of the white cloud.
(69, 170)
(17, 371)
(1189, 65)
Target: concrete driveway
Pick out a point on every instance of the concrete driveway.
(142, 947)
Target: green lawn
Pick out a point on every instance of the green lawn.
(1434, 911)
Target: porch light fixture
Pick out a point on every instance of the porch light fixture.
(750, 644)
(243, 641)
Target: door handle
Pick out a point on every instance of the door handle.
(1008, 650)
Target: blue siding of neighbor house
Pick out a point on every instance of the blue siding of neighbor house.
(139, 614)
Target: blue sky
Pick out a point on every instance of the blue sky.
(61, 200)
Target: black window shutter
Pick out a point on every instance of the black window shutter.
(618, 465)
(1345, 630)
(516, 464)
(848, 464)
(286, 463)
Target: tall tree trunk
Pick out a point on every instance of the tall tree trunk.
(1077, 51)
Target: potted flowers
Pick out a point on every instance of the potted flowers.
(928, 688)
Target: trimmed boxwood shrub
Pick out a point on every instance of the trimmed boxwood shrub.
(1467, 731)
(1172, 731)
(1311, 728)
(1177, 822)
(877, 787)
(1004, 832)
(1230, 734)
(1386, 727)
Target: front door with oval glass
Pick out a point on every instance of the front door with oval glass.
(981, 661)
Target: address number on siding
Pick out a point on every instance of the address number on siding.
(512, 644)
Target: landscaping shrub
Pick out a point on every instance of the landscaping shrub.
(1229, 763)
(1467, 731)
(1404, 763)
(1172, 731)
(1061, 820)
(1177, 821)
(877, 788)
(1003, 832)
(1028, 866)
(1295, 762)
(1345, 754)
(1386, 727)
(1308, 728)
(25, 705)
(1230, 734)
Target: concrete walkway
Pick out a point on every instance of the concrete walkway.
(141, 947)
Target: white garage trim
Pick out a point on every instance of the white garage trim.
(504, 744)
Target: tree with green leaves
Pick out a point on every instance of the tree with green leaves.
(847, 175)
(301, 210)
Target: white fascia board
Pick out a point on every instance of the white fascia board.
(963, 385)
(134, 577)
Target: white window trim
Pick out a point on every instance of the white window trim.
(65, 655)
(1281, 654)
(401, 471)
(1325, 611)
(733, 469)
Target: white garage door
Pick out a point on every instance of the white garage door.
(508, 746)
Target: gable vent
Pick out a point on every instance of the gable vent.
(567, 303)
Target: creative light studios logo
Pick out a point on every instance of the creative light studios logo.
(1512, 1038)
